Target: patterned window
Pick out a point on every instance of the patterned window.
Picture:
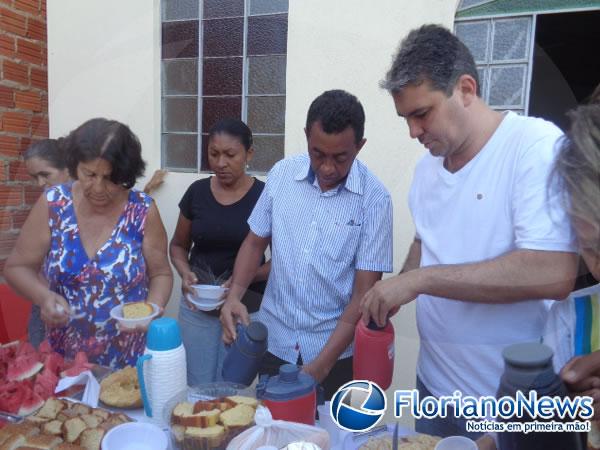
(502, 51)
(222, 58)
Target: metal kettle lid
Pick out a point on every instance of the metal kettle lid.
(290, 384)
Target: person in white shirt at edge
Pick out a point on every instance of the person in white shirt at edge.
(329, 223)
(491, 240)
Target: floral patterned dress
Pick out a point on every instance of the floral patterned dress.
(116, 274)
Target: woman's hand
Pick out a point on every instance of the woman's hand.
(55, 310)
(187, 280)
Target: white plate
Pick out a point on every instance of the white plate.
(202, 304)
(353, 441)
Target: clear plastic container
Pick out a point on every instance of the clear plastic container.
(205, 392)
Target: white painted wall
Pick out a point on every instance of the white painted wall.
(104, 60)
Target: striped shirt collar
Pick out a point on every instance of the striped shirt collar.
(352, 182)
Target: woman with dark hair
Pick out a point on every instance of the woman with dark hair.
(101, 244)
(211, 227)
(46, 164)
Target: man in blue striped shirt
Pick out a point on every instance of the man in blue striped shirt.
(329, 223)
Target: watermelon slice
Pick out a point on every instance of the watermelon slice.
(30, 402)
(7, 351)
(45, 383)
(54, 362)
(11, 395)
(24, 367)
(45, 347)
(80, 364)
(25, 348)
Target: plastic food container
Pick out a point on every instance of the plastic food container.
(215, 433)
(117, 314)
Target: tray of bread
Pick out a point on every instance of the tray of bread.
(208, 417)
(380, 438)
(61, 424)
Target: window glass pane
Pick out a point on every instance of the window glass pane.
(267, 151)
(223, 8)
(266, 114)
(267, 35)
(464, 4)
(475, 37)
(266, 74)
(180, 76)
(268, 6)
(482, 73)
(222, 76)
(511, 39)
(180, 39)
(180, 151)
(179, 9)
(180, 114)
(223, 37)
(506, 86)
(217, 108)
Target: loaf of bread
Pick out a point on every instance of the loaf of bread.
(137, 310)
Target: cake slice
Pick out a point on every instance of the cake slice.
(238, 416)
(243, 400)
(137, 310)
(51, 408)
(210, 437)
(54, 427)
(91, 438)
(72, 428)
(203, 419)
(43, 441)
(67, 446)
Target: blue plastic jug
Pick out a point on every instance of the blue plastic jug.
(245, 354)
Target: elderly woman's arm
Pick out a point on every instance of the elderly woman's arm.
(23, 266)
(154, 249)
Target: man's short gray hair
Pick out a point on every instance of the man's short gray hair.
(431, 54)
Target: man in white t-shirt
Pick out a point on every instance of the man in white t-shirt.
(492, 241)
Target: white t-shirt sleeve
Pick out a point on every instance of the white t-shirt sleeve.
(540, 220)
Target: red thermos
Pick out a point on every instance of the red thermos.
(374, 353)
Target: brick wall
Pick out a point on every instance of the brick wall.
(23, 109)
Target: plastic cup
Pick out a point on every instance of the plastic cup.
(326, 422)
(456, 443)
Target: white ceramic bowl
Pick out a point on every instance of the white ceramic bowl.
(202, 304)
(135, 436)
(117, 314)
(207, 292)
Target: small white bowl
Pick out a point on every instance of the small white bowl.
(203, 304)
(135, 436)
(117, 314)
(208, 291)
